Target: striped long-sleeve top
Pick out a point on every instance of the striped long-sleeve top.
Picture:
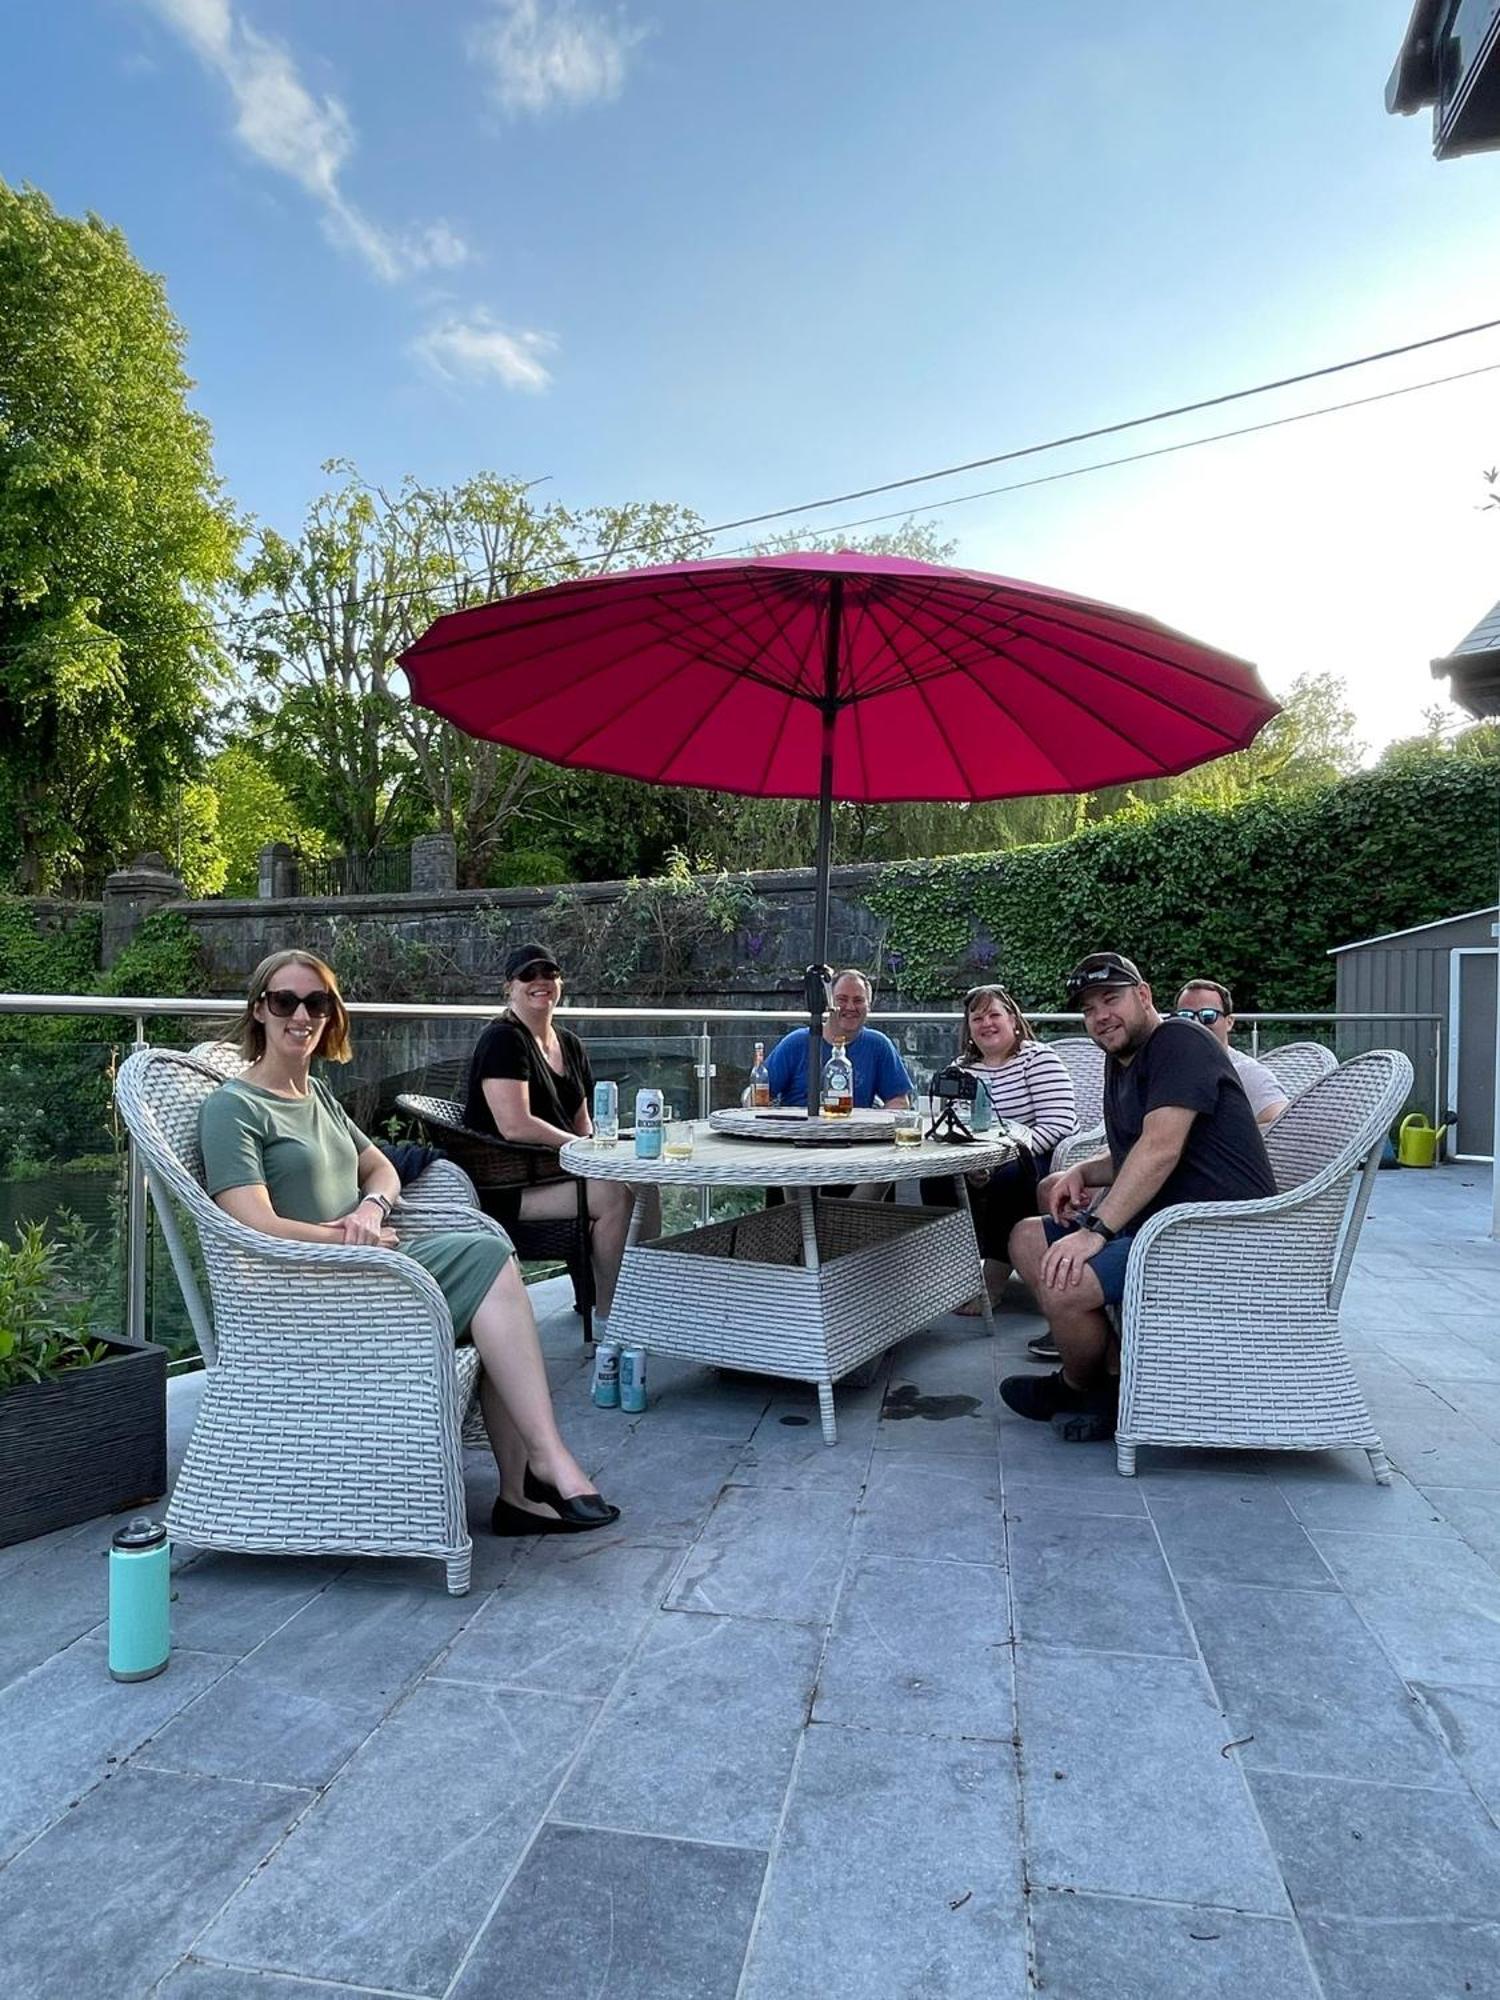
(1034, 1088)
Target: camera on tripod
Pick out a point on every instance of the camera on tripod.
(949, 1095)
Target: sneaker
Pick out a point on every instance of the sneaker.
(1042, 1347)
(1043, 1397)
(1096, 1426)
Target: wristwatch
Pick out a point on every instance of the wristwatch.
(385, 1206)
(1100, 1227)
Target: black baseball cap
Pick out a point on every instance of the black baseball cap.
(530, 958)
(1100, 971)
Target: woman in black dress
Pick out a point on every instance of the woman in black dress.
(530, 1079)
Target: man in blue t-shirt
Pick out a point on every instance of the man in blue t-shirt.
(879, 1074)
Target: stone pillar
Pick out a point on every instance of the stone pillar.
(130, 895)
(278, 870)
(434, 864)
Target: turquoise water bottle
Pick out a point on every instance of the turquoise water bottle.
(140, 1601)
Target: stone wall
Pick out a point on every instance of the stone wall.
(453, 946)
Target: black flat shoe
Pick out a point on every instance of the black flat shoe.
(507, 1520)
(584, 1510)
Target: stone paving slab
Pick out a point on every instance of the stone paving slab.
(774, 1731)
(898, 1870)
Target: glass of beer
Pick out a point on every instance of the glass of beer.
(908, 1119)
(679, 1139)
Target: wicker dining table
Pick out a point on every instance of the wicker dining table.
(809, 1289)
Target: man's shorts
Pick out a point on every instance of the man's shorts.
(1108, 1265)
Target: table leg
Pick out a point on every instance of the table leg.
(809, 1228)
(825, 1411)
(984, 1290)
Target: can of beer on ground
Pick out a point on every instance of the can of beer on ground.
(606, 1114)
(607, 1375)
(633, 1379)
(648, 1123)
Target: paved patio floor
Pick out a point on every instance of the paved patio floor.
(947, 1709)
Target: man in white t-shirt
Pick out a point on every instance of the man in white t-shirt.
(1206, 1001)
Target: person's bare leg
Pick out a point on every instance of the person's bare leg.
(996, 1271)
(609, 1213)
(515, 1396)
(1075, 1318)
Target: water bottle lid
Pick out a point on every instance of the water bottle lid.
(140, 1534)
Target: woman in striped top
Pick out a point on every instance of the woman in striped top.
(1028, 1085)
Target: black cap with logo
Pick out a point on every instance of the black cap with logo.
(1100, 971)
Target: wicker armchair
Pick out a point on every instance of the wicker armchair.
(496, 1166)
(1230, 1320)
(330, 1419)
(1084, 1061)
(1297, 1066)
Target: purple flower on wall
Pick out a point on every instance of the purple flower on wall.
(983, 954)
(894, 960)
(755, 943)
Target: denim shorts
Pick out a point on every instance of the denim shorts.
(1108, 1265)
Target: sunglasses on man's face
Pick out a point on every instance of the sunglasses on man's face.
(1207, 1015)
(283, 1003)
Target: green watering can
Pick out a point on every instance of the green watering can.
(1417, 1142)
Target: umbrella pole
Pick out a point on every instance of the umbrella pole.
(819, 973)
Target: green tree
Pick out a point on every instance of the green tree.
(114, 537)
(254, 809)
(1447, 734)
(328, 616)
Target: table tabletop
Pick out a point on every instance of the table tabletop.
(720, 1161)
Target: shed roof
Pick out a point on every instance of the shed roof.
(1438, 923)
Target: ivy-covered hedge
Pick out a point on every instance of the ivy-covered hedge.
(1253, 894)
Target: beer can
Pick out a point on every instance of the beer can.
(648, 1123)
(633, 1379)
(606, 1113)
(607, 1375)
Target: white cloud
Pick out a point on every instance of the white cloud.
(472, 348)
(307, 138)
(545, 52)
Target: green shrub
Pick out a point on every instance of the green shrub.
(526, 868)
(1254, 893)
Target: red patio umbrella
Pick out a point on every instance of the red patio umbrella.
(842, 676)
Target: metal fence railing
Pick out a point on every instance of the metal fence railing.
(61, 1147)
(384, 872)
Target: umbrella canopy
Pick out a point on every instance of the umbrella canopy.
(842, 676)
(938, 683)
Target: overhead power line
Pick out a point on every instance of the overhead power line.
(458, 585)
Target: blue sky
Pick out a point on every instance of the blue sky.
(743, 253)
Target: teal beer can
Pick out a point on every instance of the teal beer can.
(140, 1601)
(633, 1379)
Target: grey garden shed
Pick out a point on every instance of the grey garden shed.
(1447, 968)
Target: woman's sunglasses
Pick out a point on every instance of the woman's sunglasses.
(283, 1003)
(1207, 1015)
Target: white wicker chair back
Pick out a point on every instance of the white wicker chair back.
(1297, 1066)
(1084, 1062)
(223, 1058)
(1329, 1124)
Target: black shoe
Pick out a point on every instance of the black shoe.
(584, 1510)
(1042, 1347)
(1043, 1397)
(508, 1520)
(1088, 1426)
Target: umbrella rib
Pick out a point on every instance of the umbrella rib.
(918, 687)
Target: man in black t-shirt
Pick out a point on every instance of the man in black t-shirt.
(1179, 1128)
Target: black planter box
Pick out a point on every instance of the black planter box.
(88, 1442)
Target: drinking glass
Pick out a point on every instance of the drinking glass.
(679, 1139)
(908, 1120)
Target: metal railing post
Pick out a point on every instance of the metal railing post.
(135, 1229)
(704, 1063)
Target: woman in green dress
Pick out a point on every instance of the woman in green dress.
(280, 1154)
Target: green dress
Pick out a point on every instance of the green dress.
(305, 1152)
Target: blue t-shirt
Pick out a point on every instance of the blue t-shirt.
(879, 1072)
